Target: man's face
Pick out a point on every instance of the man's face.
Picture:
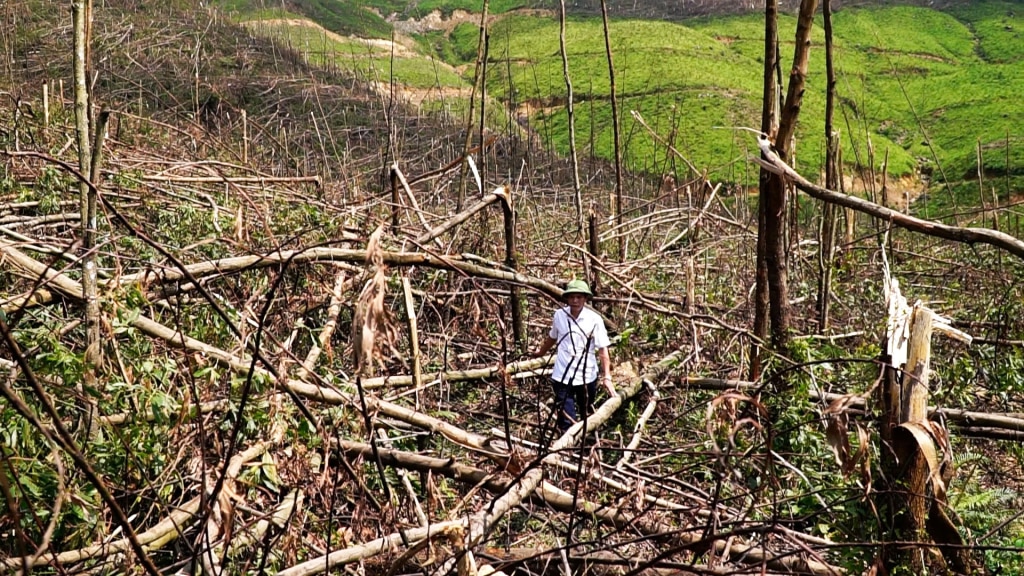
(576, 302)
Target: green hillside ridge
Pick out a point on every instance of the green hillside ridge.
(375, 62)
(333, 36)
(894, 64)
(919, 88)
(394, 66)
(338, 16)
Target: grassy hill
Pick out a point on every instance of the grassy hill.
(925, 87)
(921, 89)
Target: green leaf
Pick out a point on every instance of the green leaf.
(269, 469)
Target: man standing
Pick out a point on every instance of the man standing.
(581, 339)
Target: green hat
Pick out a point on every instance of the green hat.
(577, 287)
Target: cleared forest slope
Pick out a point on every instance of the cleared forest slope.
(926, 90)
(315, 309)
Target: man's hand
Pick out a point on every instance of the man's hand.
(609, 386)
(544, 349)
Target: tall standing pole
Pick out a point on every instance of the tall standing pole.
(615, 131)
(87, 200)
(769, 125)
(478, 80)
(511, 261)
(570, 112)
(833, 169)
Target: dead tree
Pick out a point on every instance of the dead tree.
(769, 125)
(916, 453)
(833, 167)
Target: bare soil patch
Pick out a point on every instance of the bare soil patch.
(435, 21)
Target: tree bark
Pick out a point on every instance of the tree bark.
(769, 125)
(87, 196)
(833, 175)
(571, 117)
(478, 80)
(512, 263)
(615, 130)
(776, 253)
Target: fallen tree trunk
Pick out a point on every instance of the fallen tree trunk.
(153, 539)
(480, 524)
(317, 254)
(680, 538)
(595, 563)
(773, 163)
(499, 193)
(985, 424)
(991, 433)
(324, 254)
(477, 527)
(608, 564)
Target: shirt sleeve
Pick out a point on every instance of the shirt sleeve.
(601, 339)
(554, 333)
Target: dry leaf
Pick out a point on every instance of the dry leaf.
(369, 313)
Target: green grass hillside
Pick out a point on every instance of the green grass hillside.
(920, 89)
(373, 61)
(923, 87)
(679, 79)
(338, 16)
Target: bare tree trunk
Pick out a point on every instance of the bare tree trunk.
(775, 209)
(87, 197)
(396, 200)
(769, 125)
(833, 173)
(478, 80)
(89, 226)
(7, 41)
(512, 262)
(615, 130)
(482, 156)
(576, 187)
(594, 252)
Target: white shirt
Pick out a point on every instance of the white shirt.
(577, 339)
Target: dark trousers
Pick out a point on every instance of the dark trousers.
(570, 400)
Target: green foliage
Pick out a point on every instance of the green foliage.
(264, 474)
(344, 17)
(663, 68)
(983, 508)
(997, 369)
(463, 41)
(51, 187)
(435, 42)
(905, 31)
(127, 460)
